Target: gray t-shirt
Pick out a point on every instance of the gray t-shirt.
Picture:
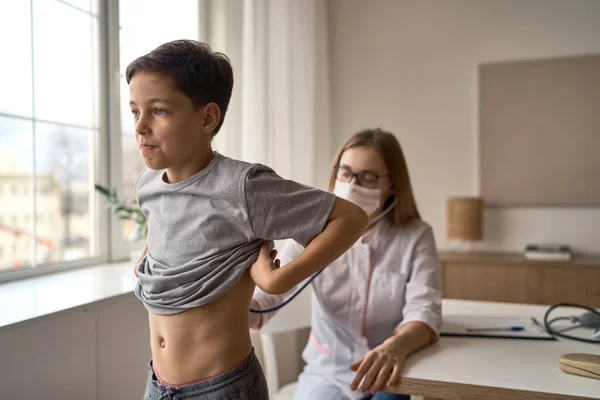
(205, 231)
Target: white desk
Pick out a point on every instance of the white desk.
(477, 368)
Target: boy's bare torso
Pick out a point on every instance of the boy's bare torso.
(204, 341)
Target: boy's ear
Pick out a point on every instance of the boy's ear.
(212, 116)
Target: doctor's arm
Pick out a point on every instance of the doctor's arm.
(420, 324)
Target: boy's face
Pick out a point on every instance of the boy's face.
(171, 133)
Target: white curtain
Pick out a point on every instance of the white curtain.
(279, 113)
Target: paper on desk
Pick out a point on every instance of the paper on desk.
(458, 325)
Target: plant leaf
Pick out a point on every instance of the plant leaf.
(140, 217)
(102, 190)
(121, 207)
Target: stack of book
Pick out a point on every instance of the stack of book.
(548, 252)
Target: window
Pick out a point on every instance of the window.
(49, 130)
(54, 136)
(144, 25)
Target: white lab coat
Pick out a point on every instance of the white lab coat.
(389, 277)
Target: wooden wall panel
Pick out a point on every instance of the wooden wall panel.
(540, 132)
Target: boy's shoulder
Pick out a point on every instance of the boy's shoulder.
(223, 169)
(146, 176)
(228, 163)
(242, 171)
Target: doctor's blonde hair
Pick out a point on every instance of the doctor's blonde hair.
(386, 144)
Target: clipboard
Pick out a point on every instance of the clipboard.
(493, 327)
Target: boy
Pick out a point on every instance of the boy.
(209, 217)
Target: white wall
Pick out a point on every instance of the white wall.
(411, 67)
(96, 352)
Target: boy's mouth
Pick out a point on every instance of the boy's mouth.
(147, 147)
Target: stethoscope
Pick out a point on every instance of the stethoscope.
(312, 278)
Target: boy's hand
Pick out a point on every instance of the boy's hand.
(264, 268)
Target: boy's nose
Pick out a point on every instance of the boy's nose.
(141, 128)
(141, 131)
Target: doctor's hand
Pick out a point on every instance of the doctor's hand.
(264, 268)
(380, 367)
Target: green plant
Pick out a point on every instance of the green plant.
(125, 212)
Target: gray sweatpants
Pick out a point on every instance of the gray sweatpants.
(245, 381)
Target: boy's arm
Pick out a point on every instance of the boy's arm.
(346, 223)
(140, 260)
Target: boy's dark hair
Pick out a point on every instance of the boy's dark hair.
(201, 74)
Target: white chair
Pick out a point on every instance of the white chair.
(280, 355)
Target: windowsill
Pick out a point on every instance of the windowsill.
(35, 297)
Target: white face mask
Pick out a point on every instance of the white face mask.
(367, 199)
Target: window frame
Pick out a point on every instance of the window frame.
(112, 246)
(103, 174)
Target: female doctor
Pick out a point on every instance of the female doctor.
(381, 300)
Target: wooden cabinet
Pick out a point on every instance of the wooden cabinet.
(509, 277)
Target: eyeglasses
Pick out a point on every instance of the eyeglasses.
(364, 179)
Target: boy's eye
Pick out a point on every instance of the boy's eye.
(135, 113)
(160, 111)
